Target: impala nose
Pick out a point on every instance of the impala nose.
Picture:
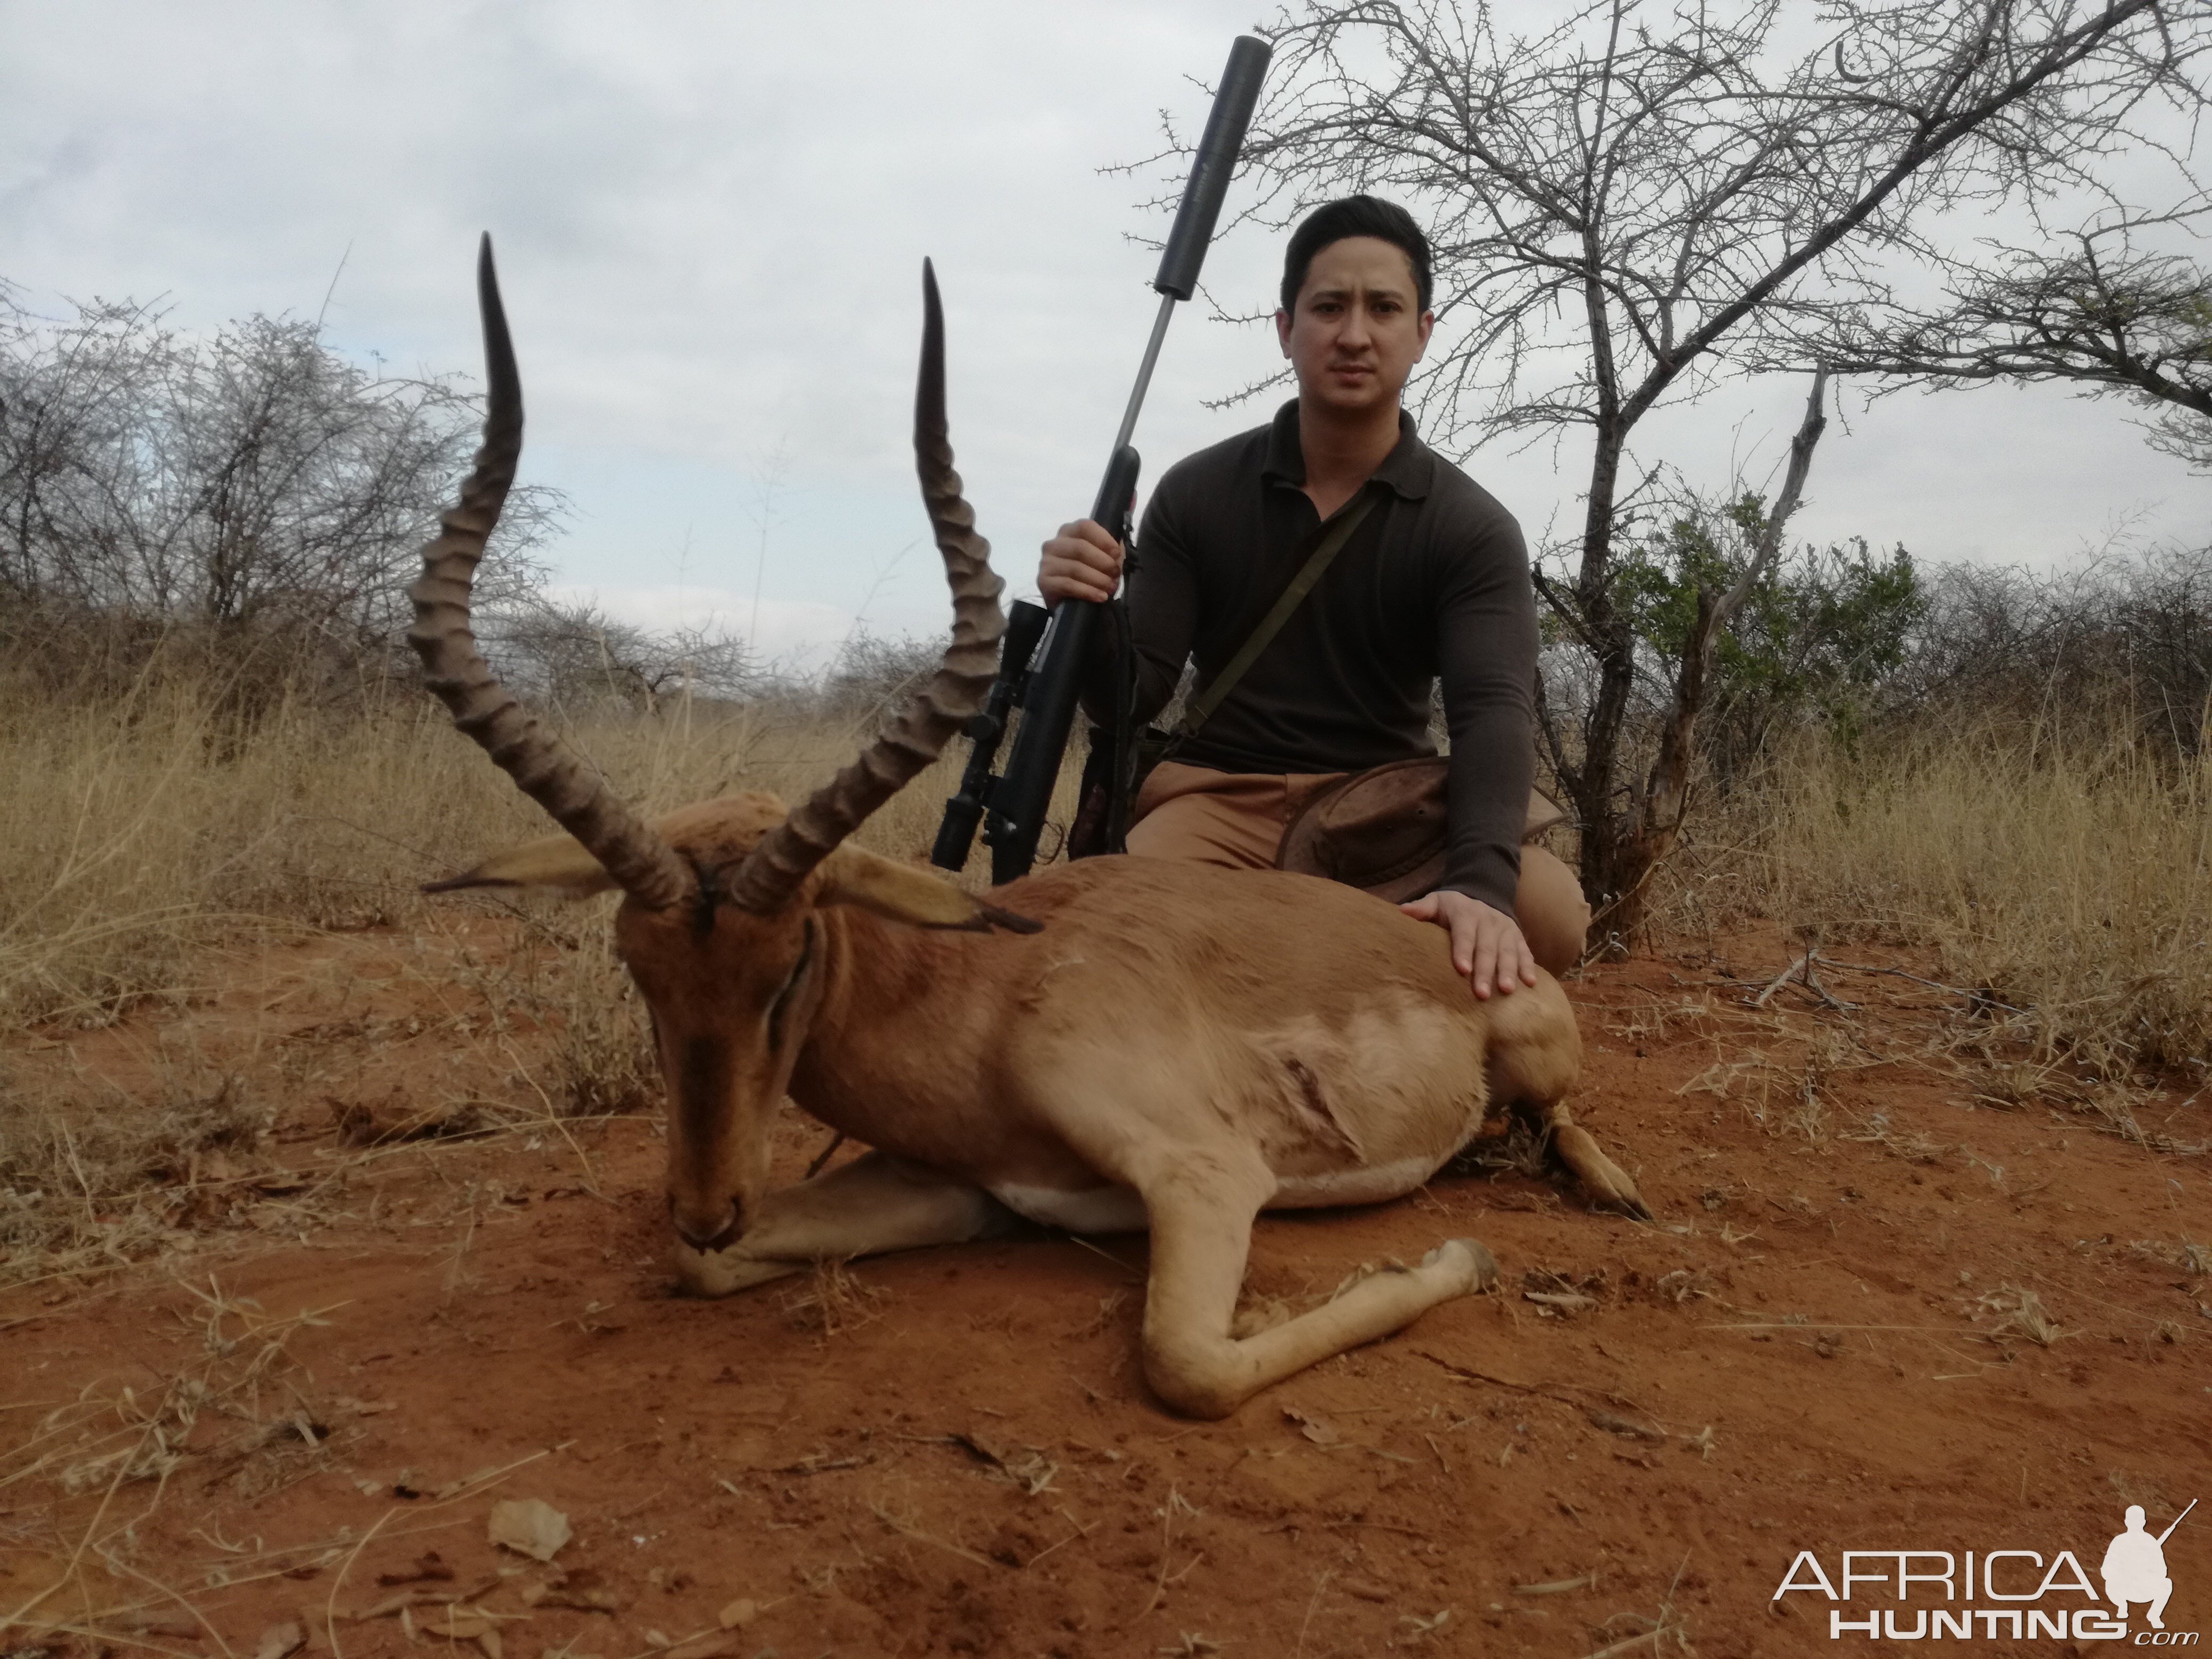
(707, 1229)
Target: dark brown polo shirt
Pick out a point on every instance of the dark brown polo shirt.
(1433, 585)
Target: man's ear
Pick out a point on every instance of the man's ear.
(1283, 330)
(558, 864)
(899, 892)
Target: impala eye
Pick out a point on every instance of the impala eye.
(775, 1009)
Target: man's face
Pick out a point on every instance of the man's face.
(1358, 330)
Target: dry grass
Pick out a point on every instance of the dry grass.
(90, 1179)
(565, 979)
(136, 830)
(243, 1414)
(2019, 1312)
(2070, 880)
(833, 1301)
(147, 839)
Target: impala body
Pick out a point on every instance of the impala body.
(1117, 1044)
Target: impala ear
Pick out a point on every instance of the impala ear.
(557, 864)
(899, 892)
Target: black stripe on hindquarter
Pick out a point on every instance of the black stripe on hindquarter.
(1320, 1114)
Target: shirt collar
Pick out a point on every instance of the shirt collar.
(1408, 468)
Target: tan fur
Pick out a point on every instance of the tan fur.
(1178, 1048)
(1178, 1045)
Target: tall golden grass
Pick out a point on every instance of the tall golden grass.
(2069, 873)
(136, 829)
(2070, 877)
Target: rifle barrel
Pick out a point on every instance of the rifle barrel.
(1144, 372)
(2178, 1520)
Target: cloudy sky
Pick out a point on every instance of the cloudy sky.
(711, 220)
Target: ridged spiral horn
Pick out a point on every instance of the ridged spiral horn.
(774, 870)
(545, 768)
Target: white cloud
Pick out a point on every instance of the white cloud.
(711, 218)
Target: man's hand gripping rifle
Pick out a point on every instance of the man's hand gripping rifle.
(1042, 663)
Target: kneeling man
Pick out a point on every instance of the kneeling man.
(1431, 584)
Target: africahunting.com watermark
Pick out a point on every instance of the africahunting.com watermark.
(1941, 1593)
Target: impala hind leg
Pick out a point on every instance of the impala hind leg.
(873, 1204)
(1536, 1056)
(1202, 1227)
(1607, 1184)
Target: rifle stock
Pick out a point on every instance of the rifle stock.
(1019, 801)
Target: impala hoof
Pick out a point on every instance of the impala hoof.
(1607, 1184)
(1471, 1258)
(725, 1273)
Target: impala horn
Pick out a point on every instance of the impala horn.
(774, 870)
(643, 865)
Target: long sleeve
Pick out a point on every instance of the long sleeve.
(1487, 657)
(1432, 585)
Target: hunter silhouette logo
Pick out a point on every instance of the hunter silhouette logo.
(2008, 1594)
(2134, 1566)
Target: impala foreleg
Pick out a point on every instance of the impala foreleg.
(873, 1204)
(1201, 1226)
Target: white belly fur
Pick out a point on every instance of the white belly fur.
(1121, 1209)
(1094, 1210)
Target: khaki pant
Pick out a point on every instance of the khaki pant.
(1236, 820)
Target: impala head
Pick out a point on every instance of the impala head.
(720, 924)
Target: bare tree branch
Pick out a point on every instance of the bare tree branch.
(1634, 200)
(2106, 314)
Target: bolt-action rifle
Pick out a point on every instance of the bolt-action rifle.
(2178, 1520)
(1042, 661)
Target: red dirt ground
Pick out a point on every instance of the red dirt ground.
(1820, 1345)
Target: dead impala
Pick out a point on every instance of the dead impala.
(1115, 1044)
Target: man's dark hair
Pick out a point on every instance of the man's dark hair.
(1354, 215)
